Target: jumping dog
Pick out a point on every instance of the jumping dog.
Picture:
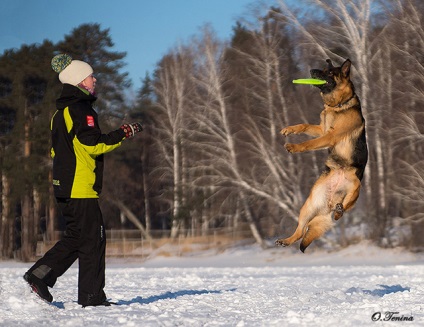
(342, 132)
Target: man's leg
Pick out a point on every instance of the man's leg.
(91, 280)
(59, 258)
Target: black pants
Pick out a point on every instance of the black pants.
(84, 239)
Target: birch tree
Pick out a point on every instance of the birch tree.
(172, 88)
(243, 146)
(408, 120)
(263, 55)
(213, 124)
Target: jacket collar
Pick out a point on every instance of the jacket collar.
(72, 94)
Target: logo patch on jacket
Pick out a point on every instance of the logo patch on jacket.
(90, 121)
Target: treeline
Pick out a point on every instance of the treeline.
(211, 155)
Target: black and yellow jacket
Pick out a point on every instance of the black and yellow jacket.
(78, 145)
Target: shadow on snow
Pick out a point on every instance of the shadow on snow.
(168, 296)
(380, 292)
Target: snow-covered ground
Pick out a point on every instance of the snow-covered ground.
(244, 286)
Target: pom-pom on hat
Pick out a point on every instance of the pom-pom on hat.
(71, 71)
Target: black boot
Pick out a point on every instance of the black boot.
(105, 303)
(38, 287)
(93, 300)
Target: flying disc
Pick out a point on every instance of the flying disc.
(310, 81)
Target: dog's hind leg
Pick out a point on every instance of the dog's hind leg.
(316, 228)
(350, 198)
(315, 203)
(301, 228)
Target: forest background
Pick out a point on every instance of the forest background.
(210, 156)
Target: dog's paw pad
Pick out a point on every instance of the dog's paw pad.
(338, 211)
(339, 207)
(290, 147)
(281, 242)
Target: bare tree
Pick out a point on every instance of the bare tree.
(269, 65)
(131, 217)
(405, 121)
(242, 145)
(409, 175)
(172, 89)
(214, 126)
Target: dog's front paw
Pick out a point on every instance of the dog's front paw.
(281, 242)
(338, 211)
(286, 131)
(292, 148)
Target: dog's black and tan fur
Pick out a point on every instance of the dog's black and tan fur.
(342, 131)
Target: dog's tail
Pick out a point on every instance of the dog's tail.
(316, 228)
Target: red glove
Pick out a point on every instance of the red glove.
(131, 129)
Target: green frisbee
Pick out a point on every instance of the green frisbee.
(310, 81)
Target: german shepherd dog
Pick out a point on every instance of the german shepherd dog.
(342, 131)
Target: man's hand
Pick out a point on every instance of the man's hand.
(131, 129)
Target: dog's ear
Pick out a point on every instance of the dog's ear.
(346, 68)
(330, 64)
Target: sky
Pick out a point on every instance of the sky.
(144, 29)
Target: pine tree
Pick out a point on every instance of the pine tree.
(25, 154)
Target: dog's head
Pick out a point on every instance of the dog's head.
(337, 78)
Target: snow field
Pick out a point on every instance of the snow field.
(242, 288)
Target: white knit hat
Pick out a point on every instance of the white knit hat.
(70, 71)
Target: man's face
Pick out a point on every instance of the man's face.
(90, 82)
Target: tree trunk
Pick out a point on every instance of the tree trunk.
(27, 222)
(176, 223)
(37, 214)
(252, 223)
(147, 213)
(131, 217)
(27, 251)
(6, 226)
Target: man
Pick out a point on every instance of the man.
(77, 150)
